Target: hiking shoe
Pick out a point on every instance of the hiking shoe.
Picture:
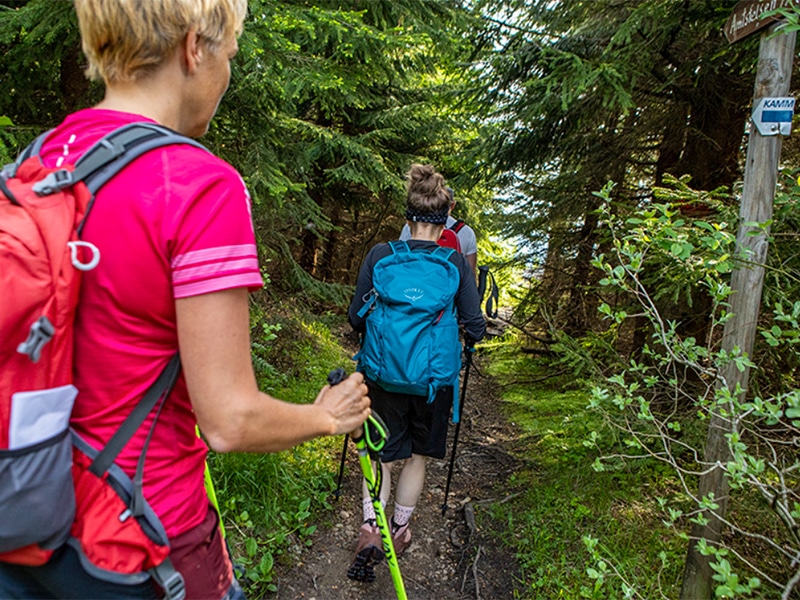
(369, 552)
(401, 538)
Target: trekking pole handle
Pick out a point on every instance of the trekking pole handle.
(368, 448)
(336, 376)
(374, 429)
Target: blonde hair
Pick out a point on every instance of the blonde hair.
(125, 39)
(427, 192)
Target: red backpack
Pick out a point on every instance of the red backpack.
(449, 237)
(54, 487)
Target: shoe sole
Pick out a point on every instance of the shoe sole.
(363, 567)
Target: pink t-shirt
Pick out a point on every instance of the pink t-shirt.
(174, 223)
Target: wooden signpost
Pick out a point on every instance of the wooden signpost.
(746, 17)
(775, 58)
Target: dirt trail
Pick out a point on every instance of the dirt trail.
(457, 556)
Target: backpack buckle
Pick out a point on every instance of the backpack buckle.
(170, 580)
(8, 171)
(41, 332)
(369, 299)
(54, 182)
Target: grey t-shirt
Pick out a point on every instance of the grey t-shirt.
(466, 237)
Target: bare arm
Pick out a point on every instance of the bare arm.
(234, 416)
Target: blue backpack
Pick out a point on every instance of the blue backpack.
(411, 343)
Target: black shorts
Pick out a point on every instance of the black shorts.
(415, 427)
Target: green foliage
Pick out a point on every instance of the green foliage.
(565, 507)
(8, 142)
(657, 399)
(39, 59)
(269, 504)
(328, 105)
(729, 587)
(780, 370)
(583, 91)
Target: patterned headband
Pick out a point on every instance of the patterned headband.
(437, 218)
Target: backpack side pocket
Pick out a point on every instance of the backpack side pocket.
(36, 491)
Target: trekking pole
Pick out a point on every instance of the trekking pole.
(371, 440)
(212, 495)
(468, 350)
(338, 491)
(210, 491)
(333, 375)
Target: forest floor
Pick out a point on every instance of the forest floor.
(458, 556)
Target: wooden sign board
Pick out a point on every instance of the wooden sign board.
(745, 18)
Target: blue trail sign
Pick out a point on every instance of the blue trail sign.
(773, 116)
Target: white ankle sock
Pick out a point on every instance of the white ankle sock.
(402, 514)
(369, 510)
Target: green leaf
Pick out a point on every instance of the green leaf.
(266, 564)
(251, 546)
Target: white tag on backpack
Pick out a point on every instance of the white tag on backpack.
(39, 415)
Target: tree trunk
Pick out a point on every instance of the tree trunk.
(330, 263)
(353, 263)
(308, 255)
(761, 172)
(577, 318)
(714, 136)
(672, 145)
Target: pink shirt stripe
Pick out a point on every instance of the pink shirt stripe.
(214, 254)
(213, 270)
(207, 286)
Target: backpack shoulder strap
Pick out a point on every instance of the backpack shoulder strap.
(32, 149)
(110, 155)
(399, 246)
(457, 226)
(444, 252)
(7, 192)
(155, 395)
(159, 389)
(119, 148)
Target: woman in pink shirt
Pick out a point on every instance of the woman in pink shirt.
(178, 257)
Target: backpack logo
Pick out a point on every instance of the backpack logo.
(413, 293)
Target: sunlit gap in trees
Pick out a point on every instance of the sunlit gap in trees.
(519, 203)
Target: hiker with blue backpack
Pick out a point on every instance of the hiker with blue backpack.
(412, 299)
(124, 241)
